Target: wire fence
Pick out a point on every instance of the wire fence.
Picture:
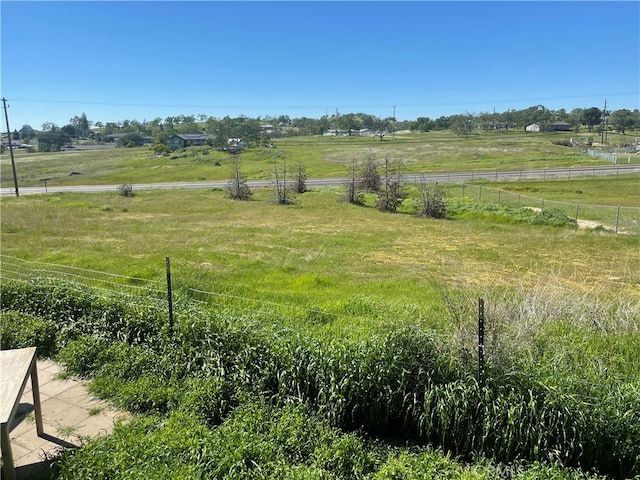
(614, 218)
(103, 285)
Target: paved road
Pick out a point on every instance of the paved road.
(457, 177)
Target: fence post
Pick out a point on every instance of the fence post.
(499, 191)
(463, 189)
(577, 207)
(496, 175)
(481, 342)
(617, 218)
(169, 295)
(518, 200)
(480, 193)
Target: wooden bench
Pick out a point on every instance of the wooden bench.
(15, 367)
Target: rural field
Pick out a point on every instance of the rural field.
(439, 151)
(323, 339)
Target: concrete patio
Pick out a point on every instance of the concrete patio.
(69, 414)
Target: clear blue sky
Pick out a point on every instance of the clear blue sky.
(141, 60)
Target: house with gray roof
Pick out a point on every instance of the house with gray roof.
(184, 140)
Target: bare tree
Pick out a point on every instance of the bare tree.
(370, 180)
(237, 187)
(391, 191)
(431, 201)
(352, 193)
(299, 178)
(283, 191)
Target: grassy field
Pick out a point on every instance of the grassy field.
(321, 156)
(318, 253)
(327, 340)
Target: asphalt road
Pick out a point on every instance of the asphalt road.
(456, 177)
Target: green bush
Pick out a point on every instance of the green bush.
(22, 330)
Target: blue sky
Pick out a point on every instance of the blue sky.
(141, 60)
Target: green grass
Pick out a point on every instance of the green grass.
(322, 157)
(318, 251)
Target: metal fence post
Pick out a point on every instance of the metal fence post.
(481, 342)
(480, 193)
(169, 294)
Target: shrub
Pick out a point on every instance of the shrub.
(126, 190)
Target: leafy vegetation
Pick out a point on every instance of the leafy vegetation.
(409, 383)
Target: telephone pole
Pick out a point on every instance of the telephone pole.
(394, 123)
(13, 163)
(604, 113)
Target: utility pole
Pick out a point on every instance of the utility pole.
(394, 123)
(13, 163)
(604, 113)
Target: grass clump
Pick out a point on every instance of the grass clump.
(466, 208)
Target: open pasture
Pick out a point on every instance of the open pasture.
(319, 253)
(321, 156)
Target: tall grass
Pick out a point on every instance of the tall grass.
(406, 384)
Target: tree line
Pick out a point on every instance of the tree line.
(259, 130)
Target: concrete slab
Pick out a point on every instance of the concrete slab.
(70, 415)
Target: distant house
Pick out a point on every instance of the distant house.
(534, 127)
(184, 140)
(558, 127)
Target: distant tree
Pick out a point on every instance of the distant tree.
(237, 187)
(70, 130)
(27, 132)
(81, 125)
(391, 191)
(422, 124)
(52, 141)
(349, 122)
(299, 178)
(462, 125)
(15, 135)
(623, 120)
(591, 117)
(49, 127)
